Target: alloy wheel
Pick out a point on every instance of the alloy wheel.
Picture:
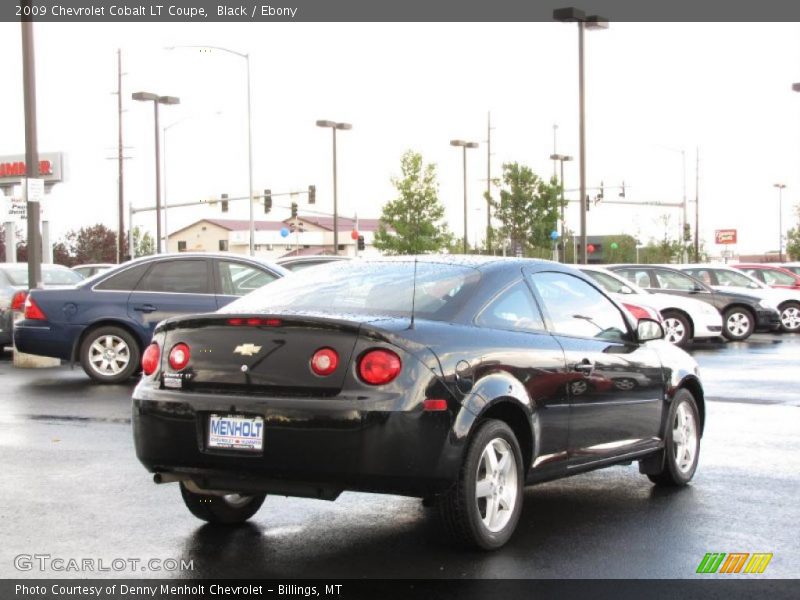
(738, 324)
(674, 331)
(496, 485)
(684, 438)
(790, 318)
(109, 355)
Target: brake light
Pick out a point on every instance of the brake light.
(179, 356)
(255, 322)
(150, 359)
(324, 361)
(640, 312)
(378, 367)
(18, 301)
(32, 310)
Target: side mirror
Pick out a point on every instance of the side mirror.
(648, 329)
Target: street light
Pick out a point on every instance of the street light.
(464, 145)
(166, 197)
(591, 22)
(562, 158)
(246, 58)
(156, 100)
(344, 127)
(780, 187)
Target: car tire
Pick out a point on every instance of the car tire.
(231, 509)
(625, 384)
(738, 324)
(482, 508)
(109, 354)
(790, 317)
(681, 442)
(677, 329)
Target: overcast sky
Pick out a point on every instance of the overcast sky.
(652, 90)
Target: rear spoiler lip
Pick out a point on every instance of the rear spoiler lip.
(289, 319)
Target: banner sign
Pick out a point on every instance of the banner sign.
(725, 236)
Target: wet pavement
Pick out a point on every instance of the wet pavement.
(72, 488)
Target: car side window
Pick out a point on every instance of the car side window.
(675, 281)
(513, 309)
(706, 276)
(125, 281)
(238, 279)
(777, 278)
(578, 309)
(754, 273)
(177, 277)
(640, 277)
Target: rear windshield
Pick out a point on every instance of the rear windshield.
(367, 287)
(51, 275)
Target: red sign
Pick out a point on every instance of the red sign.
(725, 236)
(17, 169)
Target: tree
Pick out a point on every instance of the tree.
(793, 240)
(143, 244)
(413, 222)
(95, 244)
(527, 210)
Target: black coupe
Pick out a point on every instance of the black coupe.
(458, 380)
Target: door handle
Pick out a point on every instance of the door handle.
(586, 366)
(145, 308)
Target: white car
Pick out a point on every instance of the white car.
(685, 319)
(723, 277)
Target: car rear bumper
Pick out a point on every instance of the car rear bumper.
(312, 446)
(43, 339)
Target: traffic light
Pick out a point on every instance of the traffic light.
(312, 194)
(601, 195)
(294, 210)
(361, 242)
(267, 201)
(622, 193)
(224, 203)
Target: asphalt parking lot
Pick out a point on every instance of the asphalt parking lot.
(72, 487)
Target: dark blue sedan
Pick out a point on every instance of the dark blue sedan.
(106, 321)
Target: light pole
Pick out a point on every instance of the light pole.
(156, 100)
(344, 127)
(781, 187)
(562, 158)
(464, 145)
(246, 57)
(591, 22)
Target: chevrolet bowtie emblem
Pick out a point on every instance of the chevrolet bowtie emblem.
(247, 349)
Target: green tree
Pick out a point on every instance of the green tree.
(413, 223)
(793, 240)
(527, 210)
(143, 243)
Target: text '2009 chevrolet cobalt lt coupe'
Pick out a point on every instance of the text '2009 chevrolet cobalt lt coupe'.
(457, 380)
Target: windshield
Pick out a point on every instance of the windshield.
(51, 275)
(370, 287)
(734, 278)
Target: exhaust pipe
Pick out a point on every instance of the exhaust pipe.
(160, 478)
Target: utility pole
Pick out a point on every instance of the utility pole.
(31, 154)
(555, 147)
(120, 162)
(697, 206)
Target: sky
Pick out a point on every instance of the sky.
(652, 91)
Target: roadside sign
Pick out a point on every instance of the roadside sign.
(35, 190)
(725, 236)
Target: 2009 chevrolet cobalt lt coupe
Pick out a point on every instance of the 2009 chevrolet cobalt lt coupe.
(457, 380)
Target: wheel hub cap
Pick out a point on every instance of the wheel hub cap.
(496, 485)
(684, 438)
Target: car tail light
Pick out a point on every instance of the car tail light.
(179, 356)
(151, 358)
(378, 367)
(324, 361)
(640, 312)
(32, 310)
(18, 301)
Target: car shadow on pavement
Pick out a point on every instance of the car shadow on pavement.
(600, 519)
